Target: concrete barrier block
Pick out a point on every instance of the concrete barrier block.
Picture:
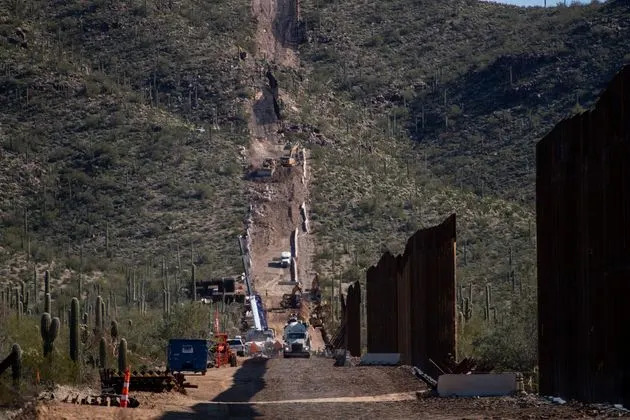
(380, 359)
(476, 385)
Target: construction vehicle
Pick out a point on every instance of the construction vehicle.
(285, 259)
(297, 342)
(223, 354)
(290, 159)
(266, 170)
(237, 345)
(259, 342)
(292, 300)
(261, 336)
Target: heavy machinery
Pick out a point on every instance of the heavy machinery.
(290, 159)
(266, 170)
(292, 300)
(297, 342)
(261, 335)
(223, 354)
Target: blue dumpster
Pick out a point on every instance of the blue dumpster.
(187, 355)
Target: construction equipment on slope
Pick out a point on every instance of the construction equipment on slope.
(292, 300)
(267, 169)
(290, 159)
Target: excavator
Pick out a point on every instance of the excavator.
(292, 300)
(290, 159)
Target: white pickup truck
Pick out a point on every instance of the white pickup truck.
(297, 342)
(285, 259)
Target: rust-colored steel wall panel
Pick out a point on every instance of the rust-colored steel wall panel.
(410, 304)
(583, 223)
(381, 307)
(353, 319)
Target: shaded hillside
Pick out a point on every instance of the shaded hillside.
(488, 80)
(122, 119)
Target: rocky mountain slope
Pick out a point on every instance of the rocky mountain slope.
(122, 130)
(124, 124)
(419, 109)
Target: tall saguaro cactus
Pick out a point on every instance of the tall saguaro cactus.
(13, 360)
(16, 365)
(194, 283)
(114, 330)
(102, 353)
(49, 330)
(122, 355)
(98, 318)
(74, 330)
(488, 301)
(35, 288)
(47, 303)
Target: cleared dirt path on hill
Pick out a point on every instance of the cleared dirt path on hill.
(275, 202)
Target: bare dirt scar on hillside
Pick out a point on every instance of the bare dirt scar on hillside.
(275, 20)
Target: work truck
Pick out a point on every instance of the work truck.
(297, 342)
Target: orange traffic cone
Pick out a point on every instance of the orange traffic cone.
(124, 398)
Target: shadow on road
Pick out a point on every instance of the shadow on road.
(248, 381)
(275, 264)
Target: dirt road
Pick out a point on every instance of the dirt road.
(276, 202)
(313, 389)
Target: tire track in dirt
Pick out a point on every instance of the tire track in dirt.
(396, 396)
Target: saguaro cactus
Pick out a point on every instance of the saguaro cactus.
(47, 303)
(194, 283)
(74, 329)
(103, 314)
(114, 330)
(467, 313)
(488, 301)
(35, 289)
(14, 359)
(16, 366)
(46, 282)
(102, 354)
(49, 330)
(122, 355)
(98, 321)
